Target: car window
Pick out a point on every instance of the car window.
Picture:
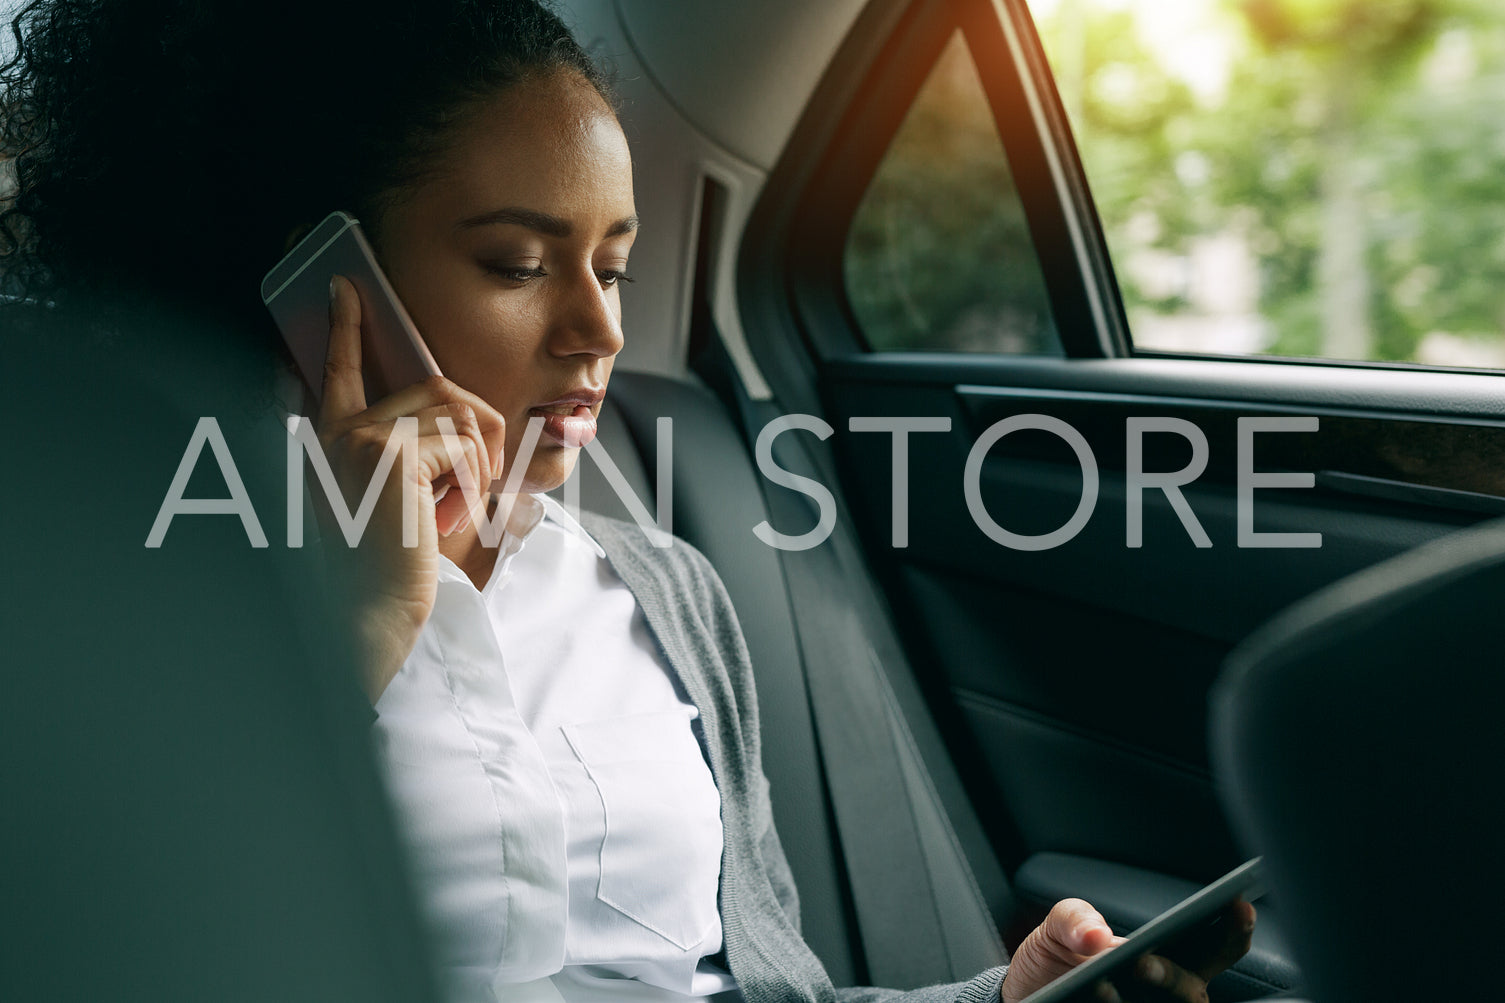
(939, 257)
(1296, 178)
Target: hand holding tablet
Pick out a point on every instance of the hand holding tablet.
(1073, 956)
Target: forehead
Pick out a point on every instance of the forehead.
(547, 143)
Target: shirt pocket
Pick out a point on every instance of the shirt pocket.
(661, 854)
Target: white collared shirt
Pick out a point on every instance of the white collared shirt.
(564, 828)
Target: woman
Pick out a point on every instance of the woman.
(566, 720)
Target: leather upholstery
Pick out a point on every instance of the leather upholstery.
(1358, 740)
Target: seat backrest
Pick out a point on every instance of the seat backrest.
(1357, 738)
(717, 500)
(189, 809)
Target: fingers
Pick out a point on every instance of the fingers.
(344, 392)
(460, 443)
(445, 459)
(1234, 933)
(422, 456)
(452, 511)
(435, 397)
(458, 420)
(470, 465)
(1104, 992)
(1170, 978)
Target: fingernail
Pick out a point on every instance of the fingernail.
(1153, 971)
(333, 289)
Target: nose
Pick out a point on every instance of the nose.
(587, 320)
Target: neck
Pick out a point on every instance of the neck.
(518, 513)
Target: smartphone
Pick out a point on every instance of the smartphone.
(296, 291)
(1202, 907)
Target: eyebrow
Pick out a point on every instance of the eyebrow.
(542, 222)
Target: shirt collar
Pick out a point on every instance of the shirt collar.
(547, 508)
(557, 512)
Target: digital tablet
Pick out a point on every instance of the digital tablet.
(1181, 918)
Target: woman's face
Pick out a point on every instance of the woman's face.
(509, 259)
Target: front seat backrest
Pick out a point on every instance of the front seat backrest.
(1357, 738)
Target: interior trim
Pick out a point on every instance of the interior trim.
(1385, 392)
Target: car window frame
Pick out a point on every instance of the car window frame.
(796, 233)
(810, 201)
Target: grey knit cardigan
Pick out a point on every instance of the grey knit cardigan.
(688, 610)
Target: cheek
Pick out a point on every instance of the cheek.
(483, 344)
(440, 311)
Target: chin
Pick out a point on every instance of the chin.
(551, 467)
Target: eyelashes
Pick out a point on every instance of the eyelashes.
(608, 277)
(515, 274)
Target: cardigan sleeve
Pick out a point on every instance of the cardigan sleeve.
(719, 620)
(983, 988)
(775, 863)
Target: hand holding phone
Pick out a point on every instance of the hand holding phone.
(296, 291)
(362, 359)
(1195, 924)
(393, 577)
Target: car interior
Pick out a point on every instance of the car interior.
(958, 731)
(1049, 709)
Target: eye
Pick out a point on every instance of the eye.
(516, 273)
(611, 276)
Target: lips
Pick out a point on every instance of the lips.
(570, 420)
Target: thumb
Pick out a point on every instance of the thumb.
(1073, 932)
(1075, 928)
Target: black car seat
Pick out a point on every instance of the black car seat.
(188, 809)
(894, 808)
(1358, 742)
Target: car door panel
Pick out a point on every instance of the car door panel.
(1079, 674)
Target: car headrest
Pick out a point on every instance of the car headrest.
(1356, 738)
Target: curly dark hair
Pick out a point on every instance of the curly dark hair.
(168, 147)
